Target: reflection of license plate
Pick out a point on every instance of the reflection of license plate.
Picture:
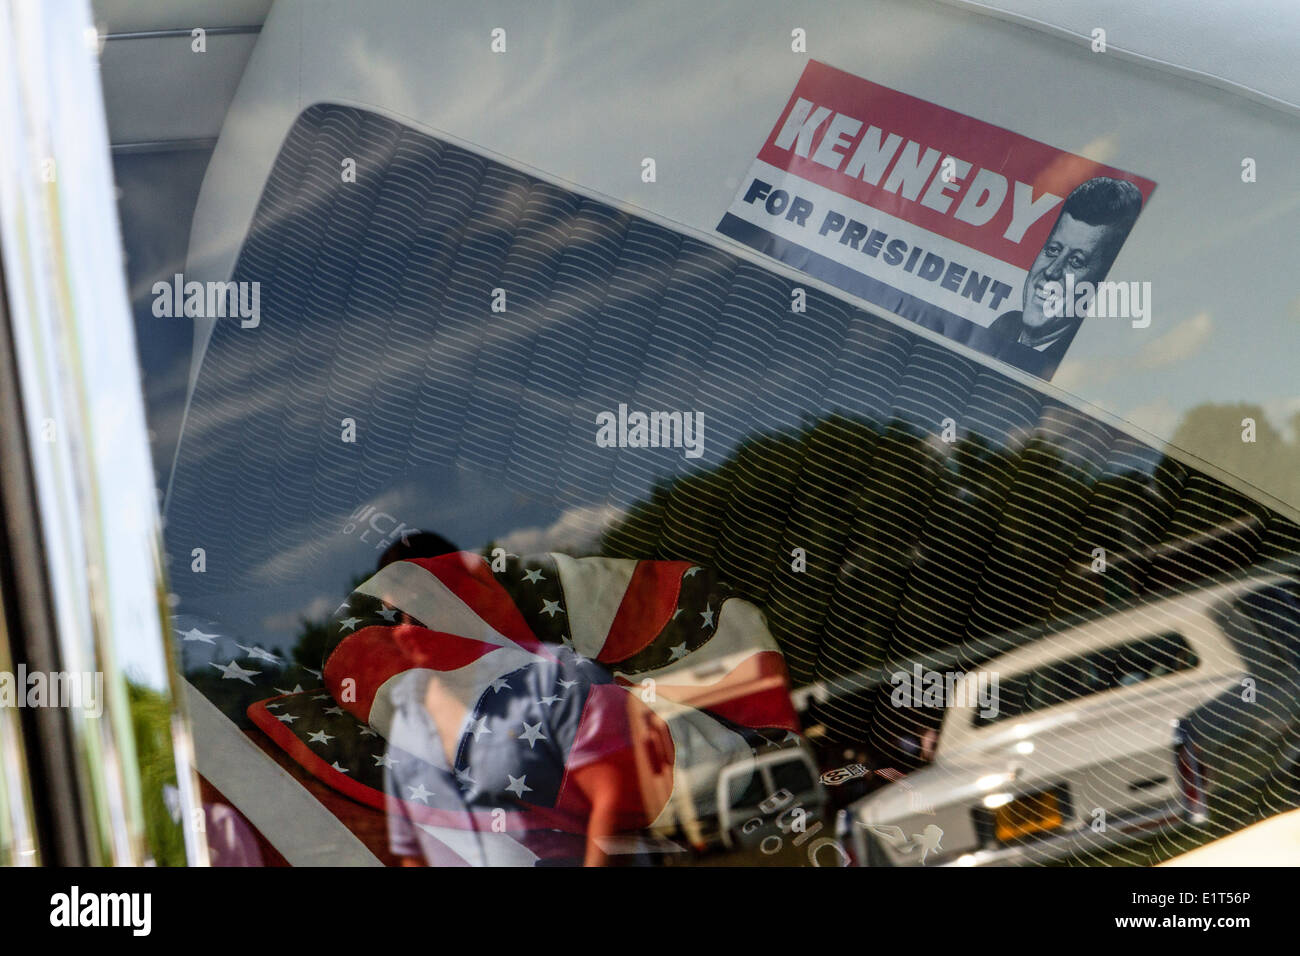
(1035, 813)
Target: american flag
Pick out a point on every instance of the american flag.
(539, 666)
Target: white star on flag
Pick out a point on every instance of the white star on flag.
(678, 652)
(320, 737)
(349, 623)
(233, 671)
(551, 608)
(383, 760)
(517, 785)
(257, 653)
(534, 575)
(419, 793)
(479, 727)
(707, 614)
(194, 634)
(533, 733)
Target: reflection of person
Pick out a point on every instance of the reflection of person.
(418, 544)
(548, 708)
(430, 722)
(1093, 224)
(523, 741)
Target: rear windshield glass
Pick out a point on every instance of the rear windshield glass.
(1088, 674)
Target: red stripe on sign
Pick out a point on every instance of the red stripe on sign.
(920, 127)
(648, 605)
(376, 654)
(470, 577)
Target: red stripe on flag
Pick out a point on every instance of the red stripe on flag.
(525, 818)
(470, 578)
(755, 693)
(305, 757)
(648, 605)
(765, 706)
(376, 654)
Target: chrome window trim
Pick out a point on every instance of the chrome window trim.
(185, 32)
(82, 408)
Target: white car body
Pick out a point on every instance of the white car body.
(1115, 751)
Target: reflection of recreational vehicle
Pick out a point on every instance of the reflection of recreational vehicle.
(1100, 733)
(783, 782)
(720, 780)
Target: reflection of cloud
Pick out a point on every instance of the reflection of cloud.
(317, 607)
(1181, 342)
(1073, 373)
(312, 550)
(1159, 418)
(1101, 149)
(575, 532)
(1281, 412)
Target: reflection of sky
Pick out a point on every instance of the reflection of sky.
(1205, 344)
(451, 501)
(698, 88)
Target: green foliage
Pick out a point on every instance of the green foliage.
(152, 727)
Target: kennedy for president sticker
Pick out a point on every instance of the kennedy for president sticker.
(991, 238)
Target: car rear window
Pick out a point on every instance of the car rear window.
(1086, 674)
(1264, 627)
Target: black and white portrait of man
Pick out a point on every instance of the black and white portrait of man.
(1092, 226)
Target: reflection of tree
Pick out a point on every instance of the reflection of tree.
(151, 725)
(917, 548)
(948, 553)
(233, 697)
(1270, 462)
(309, 644)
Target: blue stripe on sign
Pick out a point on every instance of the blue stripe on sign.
(923, 313)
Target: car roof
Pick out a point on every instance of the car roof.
(1253, 52)
(1146, 618)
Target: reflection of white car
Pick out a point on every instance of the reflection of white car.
(1087, 745)
(783, 781)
